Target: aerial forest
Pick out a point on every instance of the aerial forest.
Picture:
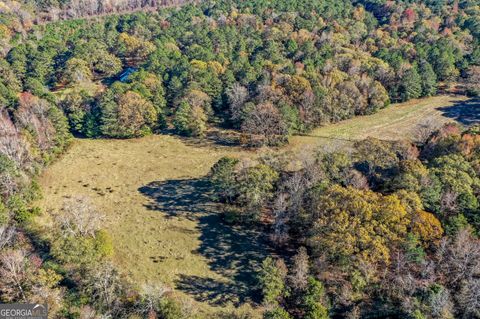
(383, 229)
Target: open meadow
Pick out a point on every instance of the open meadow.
(164, 225)
(399, 121)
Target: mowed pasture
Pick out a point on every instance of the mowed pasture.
(166, 229)
(398, 121)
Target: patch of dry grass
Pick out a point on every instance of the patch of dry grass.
(154, 242)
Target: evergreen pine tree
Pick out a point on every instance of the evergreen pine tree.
(181, 121)
(276, 313)
(272, 281)
(429, 79)
(313, 300)
(411, 87)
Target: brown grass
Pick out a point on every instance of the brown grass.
(150, 246)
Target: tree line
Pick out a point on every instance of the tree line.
(291, 67)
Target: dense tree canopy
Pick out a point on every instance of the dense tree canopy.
(291, 66)
(385, 219)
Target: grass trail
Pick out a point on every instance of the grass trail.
(398, 121)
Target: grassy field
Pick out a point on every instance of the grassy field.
(399, 121)
(164, 226)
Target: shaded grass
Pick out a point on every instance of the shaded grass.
(231, 252)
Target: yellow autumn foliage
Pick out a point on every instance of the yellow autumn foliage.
(357, 224)
(199, 65)
(216, 67)
(424, 225)
(135, 47)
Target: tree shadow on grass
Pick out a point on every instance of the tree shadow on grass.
(214, 137)
(464, 112)
(208, 290)
(186, 198)
(233, 252)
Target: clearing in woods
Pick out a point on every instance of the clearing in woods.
(398, 121)
(166, 230)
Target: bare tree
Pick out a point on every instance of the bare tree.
(87, 312)
(400, 282)
(43, 293)
(448, 202)
(151, 296)
(280, 226)
(32, 114)
(237, 97)
(267, 93)
(8, 185)
(458, 258)
(441, 304)
(295, 186)
(13, 275)
(12, 145)
(309, 114)
(357, 179)
(298, 277)
(79, 217)
(472, 80)
(6, 236)
(469, 298)
(103, 283)
(265, 123)
(425, 128)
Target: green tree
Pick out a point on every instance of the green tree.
(105, 64)
(190, 120)
(411, 87)
(314, 300)
(443, 58)
(428, 78)
(455, 224)
(78, 105)
(127, 114)
(77, 71)
(223, 178)
(168, 308)
(255, 186)
(272, 281)
(134, 48)
(414, 249)
(276, 312)
(459, 179)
